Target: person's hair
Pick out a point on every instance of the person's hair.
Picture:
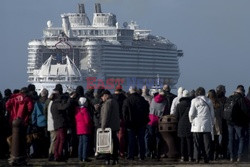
(24, 90)
(44, 93)
(99, 91)
(31, 87)
(166, 87)
(220, 91)
(200, 91)
(241, 88)
(213, 96)
(15, 91)
(59, 88)
(139, 91)
(192, 93)
(7, 92)
(106, 92)
(248, 94)
(80, 91)
(145, 90)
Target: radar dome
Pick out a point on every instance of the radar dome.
(49, 24)
(125, 24)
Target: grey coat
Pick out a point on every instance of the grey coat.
(110, 115)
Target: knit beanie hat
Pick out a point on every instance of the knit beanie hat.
(81, 101)
(185, 93)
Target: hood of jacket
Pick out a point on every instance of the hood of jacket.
(159, 98)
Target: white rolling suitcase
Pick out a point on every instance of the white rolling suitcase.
(104, 141)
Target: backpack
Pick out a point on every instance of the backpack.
(229, 107)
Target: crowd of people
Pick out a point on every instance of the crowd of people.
(61, 125)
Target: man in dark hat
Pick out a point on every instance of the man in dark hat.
(110, 119)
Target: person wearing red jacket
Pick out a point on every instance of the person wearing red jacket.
(20, 107)
(83, 129)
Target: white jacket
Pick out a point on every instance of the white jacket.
(175, 102)
(50, 118)
(201, 115)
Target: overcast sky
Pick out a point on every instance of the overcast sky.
(213, 34)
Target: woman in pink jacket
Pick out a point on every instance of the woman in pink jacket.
(83, 129)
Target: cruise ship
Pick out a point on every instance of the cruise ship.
(102, 53)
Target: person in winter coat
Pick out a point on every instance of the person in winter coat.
(120, 97)
(221, 94)
(2, 129)
(110, 119)
(90, 93)
(176, 101)
(169, 96)
(153, 137)
(20, 107)
(135, 112)
(72, 138)
(201, 116)
(83, 129)
(184, 127)
(39, 124)
(97, 104)
(218, 109)
(247, 99)
(50, 125)
(7, 125)
(59, 115)
(238, 124)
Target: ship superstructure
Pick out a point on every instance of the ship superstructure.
(103, 50)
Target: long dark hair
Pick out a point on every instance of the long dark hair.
(213, 96)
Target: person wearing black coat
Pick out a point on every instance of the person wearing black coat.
(238, 124)
(90, 93)
(184, 127)
(6, 124)
(60, 116)
(135, 114)
(120, 97)
(169, 97)
(2, 130)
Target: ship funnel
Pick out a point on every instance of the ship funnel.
(98, 8)
(66, 25)
(81, 8)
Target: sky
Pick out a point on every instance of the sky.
(213, 34)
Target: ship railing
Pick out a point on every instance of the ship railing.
(57, 78)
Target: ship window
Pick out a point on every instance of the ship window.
(111, 32)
